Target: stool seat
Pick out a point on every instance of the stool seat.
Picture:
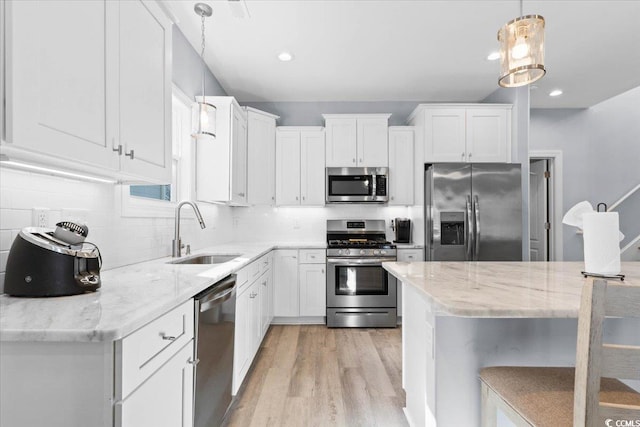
(544, 396)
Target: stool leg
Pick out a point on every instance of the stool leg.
(488, 407)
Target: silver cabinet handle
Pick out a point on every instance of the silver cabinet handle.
(392, 197)
(469, 155)
(296, 197)
(167, 337)
(354, 160)
(264, 283)
(360, 160)
(462, 156)
(118, 150)
(252, 295)
(322, 271)
(193, 362)
(129, 154)
(303, 198)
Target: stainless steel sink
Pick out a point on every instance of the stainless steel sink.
(206, 259)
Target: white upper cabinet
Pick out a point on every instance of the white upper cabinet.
(356, 140)
(261, 160)
(88, 87)
(221, 163)
(465, 133)
(144, 90)
(401, 160)
(300, 170)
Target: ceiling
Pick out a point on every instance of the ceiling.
(411, 50)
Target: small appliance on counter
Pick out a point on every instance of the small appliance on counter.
(402, 228)
(50, 263)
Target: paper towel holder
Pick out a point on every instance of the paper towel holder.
(601, 204)
(604, 276)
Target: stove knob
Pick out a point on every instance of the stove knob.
(347, 251)
(339, 251)
(383, 252)
(376, 252)
(361, 251)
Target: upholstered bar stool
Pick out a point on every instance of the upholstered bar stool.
(588, 395)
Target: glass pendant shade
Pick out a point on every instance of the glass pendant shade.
(521, 51)
(204, 120)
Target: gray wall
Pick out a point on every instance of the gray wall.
(601, 157)
(187, 69)
(519, 97)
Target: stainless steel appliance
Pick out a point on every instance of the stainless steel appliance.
(473, 212)
(215, 316)
(360, 293)
(357, 185)
(40, 264)
(402, 228)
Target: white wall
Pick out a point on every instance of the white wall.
(601, 157)
(121, 240)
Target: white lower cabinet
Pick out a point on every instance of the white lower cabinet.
(407, 255)
(313, 283)
(253, 316)
(285, 284)
(165, 399)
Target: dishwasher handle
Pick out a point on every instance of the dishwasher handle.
(221, 292)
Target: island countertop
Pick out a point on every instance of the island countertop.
(501, 289)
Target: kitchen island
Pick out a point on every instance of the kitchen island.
(462, 316)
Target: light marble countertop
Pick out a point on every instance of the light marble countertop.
(501, 289)
(129, 297)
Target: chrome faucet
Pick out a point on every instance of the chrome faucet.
(176, 246)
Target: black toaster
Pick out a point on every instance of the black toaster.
(41, 265)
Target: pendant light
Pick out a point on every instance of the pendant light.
(204, 114)
(521, 50)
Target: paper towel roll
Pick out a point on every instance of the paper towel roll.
(601, 244)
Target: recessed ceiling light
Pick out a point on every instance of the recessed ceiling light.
(285, 56)
(556, 92)
(493, 56)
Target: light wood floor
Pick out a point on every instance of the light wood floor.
(310, 375)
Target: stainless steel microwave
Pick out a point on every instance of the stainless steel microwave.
(357, 185)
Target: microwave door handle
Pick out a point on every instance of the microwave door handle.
(374, 185)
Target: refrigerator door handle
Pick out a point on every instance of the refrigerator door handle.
(468, 241)
(476, 211)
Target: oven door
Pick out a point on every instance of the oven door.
(360, 283)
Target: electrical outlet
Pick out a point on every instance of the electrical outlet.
(40, 217)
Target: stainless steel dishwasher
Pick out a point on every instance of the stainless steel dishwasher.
(215, 317)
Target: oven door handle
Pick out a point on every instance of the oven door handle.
(359, 261)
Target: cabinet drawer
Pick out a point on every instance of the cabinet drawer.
(410, 255)
(312, 256)
(141, 353)
(266, 262)
(254, 270)
(242, 277)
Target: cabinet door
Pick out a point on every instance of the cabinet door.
(313, 290)
(242, 338)
(144, 90)
(285, 284)
(266, 299)
(312, 172)
(487, 135)
(261, 160)
(288, 168)
(238, 156)
(444, 135)
(341, 148)
(56, 69)
(372, 142)
(401, 160)
(255, 316)
(165, 399)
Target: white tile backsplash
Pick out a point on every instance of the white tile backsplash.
(129, 240)
(122, 240)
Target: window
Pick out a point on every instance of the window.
(160, 200)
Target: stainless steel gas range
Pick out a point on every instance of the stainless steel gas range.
(360, 293)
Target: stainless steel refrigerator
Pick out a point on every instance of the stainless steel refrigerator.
(473, 212)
